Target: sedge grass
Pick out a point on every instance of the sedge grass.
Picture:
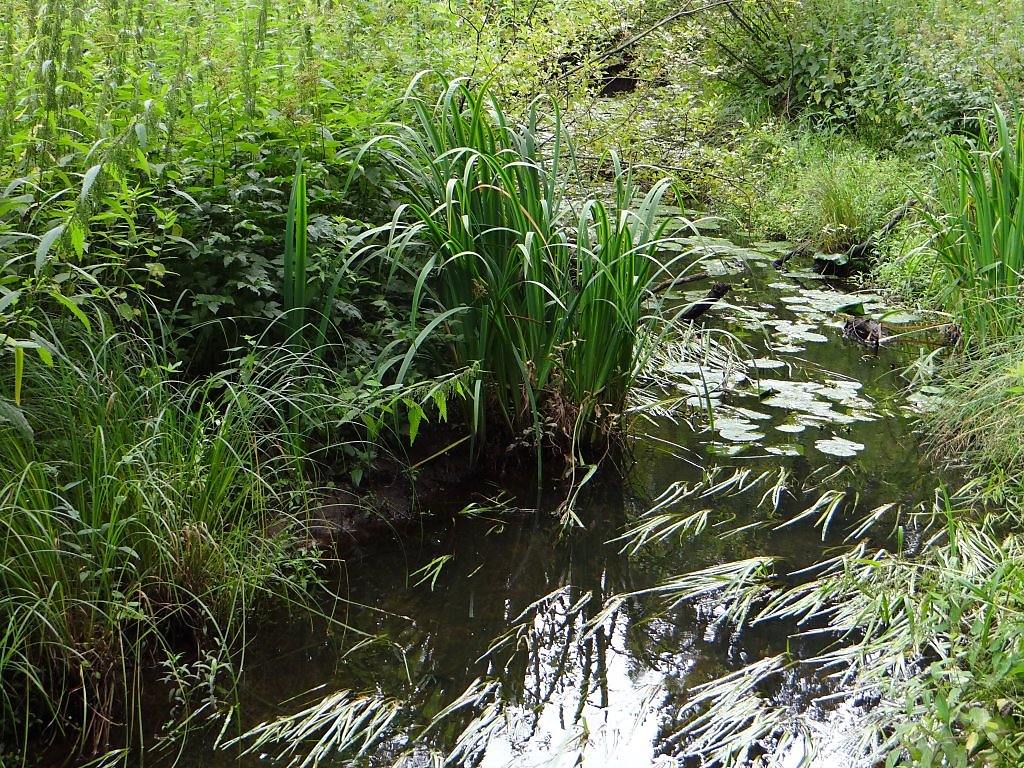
(979, 418)
(143, 507)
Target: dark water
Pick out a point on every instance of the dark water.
(573, 685)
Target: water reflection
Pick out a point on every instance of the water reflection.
(537, 649)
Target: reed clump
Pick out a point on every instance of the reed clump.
(978, 226)
(551, 297)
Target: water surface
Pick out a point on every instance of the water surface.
(583, 679)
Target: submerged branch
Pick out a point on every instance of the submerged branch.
(718, 290)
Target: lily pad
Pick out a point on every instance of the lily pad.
(838, 446)
(817, 399)
(737, 430)
(746, 413)
(788, 449)
(793, 331)
(791, 427)
(779, 246)
(726, 449)
(830, 302)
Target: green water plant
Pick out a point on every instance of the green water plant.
(552, 300)
(978, 225)
(979, 416)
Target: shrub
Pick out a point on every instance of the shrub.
(887, 71)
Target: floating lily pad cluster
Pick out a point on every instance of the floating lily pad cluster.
(776, 402)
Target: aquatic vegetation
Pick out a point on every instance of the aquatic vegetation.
(343, 723)
(554, 301)
(978, 226)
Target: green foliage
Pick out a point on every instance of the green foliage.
(558, 323)
(800, 186)
(889, 71)
(139, 506)
(980, 414)
(979, 228)
(157, 143)
(296, 253)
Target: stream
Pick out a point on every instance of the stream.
(523, 614)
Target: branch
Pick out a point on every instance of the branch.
(718, 290)
(640, 36)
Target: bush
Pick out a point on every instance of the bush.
(900, 72)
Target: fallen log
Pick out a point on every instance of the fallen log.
(671, 282)
(718, 290)
(800, 250)
(857, 253)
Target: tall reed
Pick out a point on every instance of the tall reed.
(549, 301)
(979, 227)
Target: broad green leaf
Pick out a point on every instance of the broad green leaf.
(855, 308)
(78, 238)
(88, 180)
(8, 299)
(415, 417)
(45, 244)
(442, 404)
(13, 415)
(143, 137)
(73, 308)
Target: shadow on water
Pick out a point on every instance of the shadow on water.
(573, 657)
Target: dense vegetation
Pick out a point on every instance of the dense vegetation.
(247, 249)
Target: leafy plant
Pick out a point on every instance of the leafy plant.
(551, 307)
(979, 228)
(891, 72)
(295, 256)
